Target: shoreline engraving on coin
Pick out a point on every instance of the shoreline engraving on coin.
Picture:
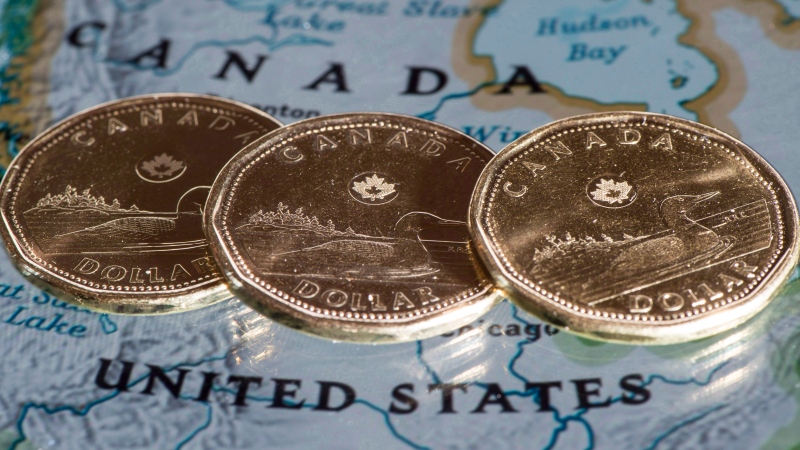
(667, 230)
(106, 207)
(374, 247)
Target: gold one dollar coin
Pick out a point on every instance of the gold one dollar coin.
(353, 227)
(635, 227)
(105, 209)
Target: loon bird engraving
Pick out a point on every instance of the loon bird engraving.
(601, 270)
(687, 239)
(410, 248)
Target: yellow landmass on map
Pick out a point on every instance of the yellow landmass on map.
(30, 114)
(714, 106)
(479, 70)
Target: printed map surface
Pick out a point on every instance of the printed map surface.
(225, 377)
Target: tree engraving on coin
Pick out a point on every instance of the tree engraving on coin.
(373, 246)
(667, 230)
(107, 206)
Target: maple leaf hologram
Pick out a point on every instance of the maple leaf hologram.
(162, 166)
(611, 192)
(374, 188)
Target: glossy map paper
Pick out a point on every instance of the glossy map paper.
(226, 377)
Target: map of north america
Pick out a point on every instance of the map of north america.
(226, 377)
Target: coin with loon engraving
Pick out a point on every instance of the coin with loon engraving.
(105, 208)
(635, 227)
(353, 227)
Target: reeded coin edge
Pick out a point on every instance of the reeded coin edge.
(630, 328)
(201, 292)
(284, 307)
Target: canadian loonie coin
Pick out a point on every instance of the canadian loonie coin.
(105, 208)
(353, 227)
(635, 227)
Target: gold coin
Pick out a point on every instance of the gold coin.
(353, 227)
(105, 208)
(635, 227)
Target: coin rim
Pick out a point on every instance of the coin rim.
(463, 312)
(628, 331)
(123, 302)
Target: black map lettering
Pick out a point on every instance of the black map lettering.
(406, 404)
(236, 60)
(157, 53)
(335, 396)
(522, 76)
(334, 75)
(415, 76)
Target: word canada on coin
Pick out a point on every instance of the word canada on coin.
(105, 208)
(353, 227)
(635, 227)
